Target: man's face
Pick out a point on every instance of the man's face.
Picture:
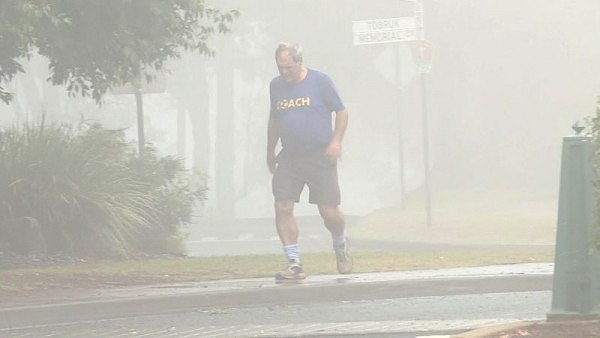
(290, 70)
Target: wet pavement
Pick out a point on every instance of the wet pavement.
(400, 304)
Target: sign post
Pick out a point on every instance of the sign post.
(409, 29)
(422, 52)
(138, 88)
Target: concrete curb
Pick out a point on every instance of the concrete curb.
(493, 331)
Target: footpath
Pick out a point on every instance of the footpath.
(96, 305)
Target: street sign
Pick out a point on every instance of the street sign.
(422, 52)
(389, 30)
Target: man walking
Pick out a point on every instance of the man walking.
(302, 103)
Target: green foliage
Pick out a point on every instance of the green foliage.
(175, 194)
(15, 40)
(85, 191)
(95, 45)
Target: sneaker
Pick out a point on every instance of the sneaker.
(292, 273)
(343, 258)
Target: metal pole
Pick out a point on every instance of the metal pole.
(400, 133)
(426, 147)
(420, 14)
(140, 120)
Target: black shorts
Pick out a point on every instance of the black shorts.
(316, 170)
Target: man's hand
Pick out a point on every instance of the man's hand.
(272, 138)
(334, 150)
(271, 162)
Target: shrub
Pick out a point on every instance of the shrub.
(84, 190)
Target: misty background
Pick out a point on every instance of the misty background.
(508, 79)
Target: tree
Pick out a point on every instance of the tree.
(14, 42)
(95, 45)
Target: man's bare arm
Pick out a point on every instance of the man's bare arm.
(272, 139)
(334, 149)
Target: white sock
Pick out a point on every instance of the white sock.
(339, 239)
(291, 251)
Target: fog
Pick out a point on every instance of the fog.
(508, 79)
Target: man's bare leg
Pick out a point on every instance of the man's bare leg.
(334, 221)
(286, 222)
(288, 234)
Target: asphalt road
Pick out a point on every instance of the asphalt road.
(411, 304)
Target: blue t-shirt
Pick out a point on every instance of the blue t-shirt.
(303, 111)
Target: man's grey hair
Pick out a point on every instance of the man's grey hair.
(293, 49)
